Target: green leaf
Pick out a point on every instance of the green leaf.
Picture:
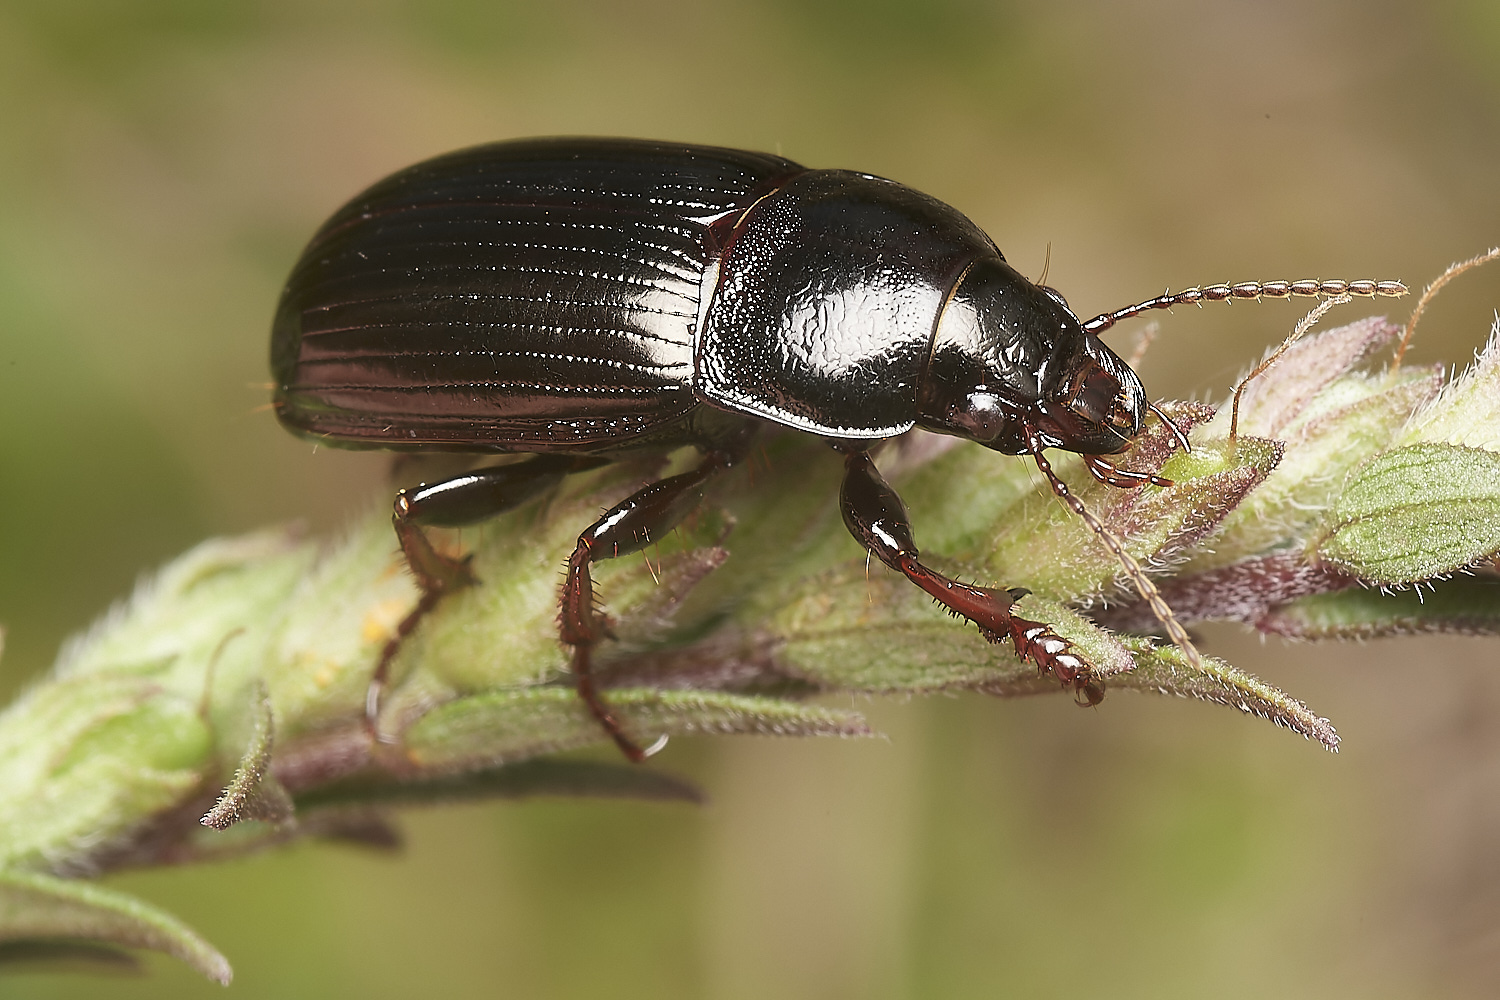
(41, 907)
(1351, 420)
(1416, 512)
(1304, 380)
(845, 631)
(541, 776)
(1465, 605)
(1165, 670)
(84, 760)
(1042, 545)
(499, 726)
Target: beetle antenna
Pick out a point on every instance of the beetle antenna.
(1307, 288)
(1116, 545)
(1301, 328)
(1428, 293)
(1046, 265)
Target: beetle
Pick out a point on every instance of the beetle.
(581, 298)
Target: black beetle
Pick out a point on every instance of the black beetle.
(579, 298)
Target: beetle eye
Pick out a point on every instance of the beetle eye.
(983, 416)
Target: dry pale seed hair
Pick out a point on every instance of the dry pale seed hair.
(1149, 333)
(1300, 330)
(1430, 292)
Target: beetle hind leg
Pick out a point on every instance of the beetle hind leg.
(877, 519)
(629, 526)
(460, 500)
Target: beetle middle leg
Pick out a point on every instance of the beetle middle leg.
(631, 525)
(451, 503)
(877, 519)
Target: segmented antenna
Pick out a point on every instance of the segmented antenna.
(1116, 545)
(1307, 288)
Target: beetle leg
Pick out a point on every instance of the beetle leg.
(877, 519)
(631, 525)
(460, 500)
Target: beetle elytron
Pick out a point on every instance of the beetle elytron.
(580, 298)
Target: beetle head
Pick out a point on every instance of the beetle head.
(1012, 365)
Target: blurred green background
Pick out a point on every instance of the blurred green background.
(161, 164)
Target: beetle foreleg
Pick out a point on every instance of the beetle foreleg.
(631, 525)
(1125, 479)
(877, 519)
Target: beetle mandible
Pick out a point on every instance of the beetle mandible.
(580, 298)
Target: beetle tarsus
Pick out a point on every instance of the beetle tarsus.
(584, 682)
(990, 611)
